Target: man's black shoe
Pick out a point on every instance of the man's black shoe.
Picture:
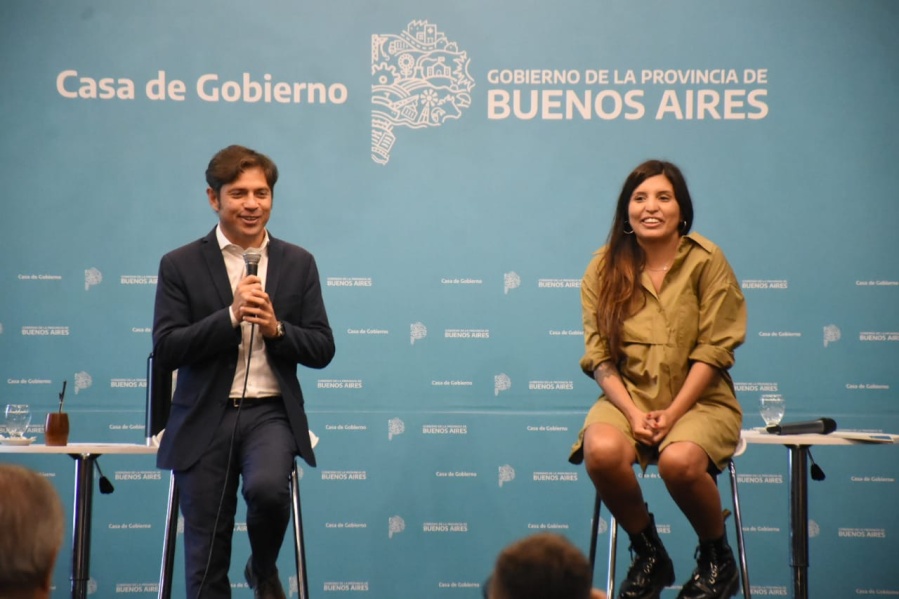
(269, 588)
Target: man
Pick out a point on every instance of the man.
(30, 533)
(236, 340)
(541, 566)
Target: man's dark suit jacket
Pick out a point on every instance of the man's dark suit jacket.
(192, 333)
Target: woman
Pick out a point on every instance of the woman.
(662, 315)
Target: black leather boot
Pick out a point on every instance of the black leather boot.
(716, 575)
(651, 569)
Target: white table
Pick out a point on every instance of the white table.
(84, 454)
(798, 447)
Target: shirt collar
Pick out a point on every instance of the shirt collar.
(224, 244)
(699, 240)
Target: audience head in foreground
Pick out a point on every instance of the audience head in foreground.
(541, 566)
(31, 522)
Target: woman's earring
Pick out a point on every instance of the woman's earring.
(626, 232)
(683, 225)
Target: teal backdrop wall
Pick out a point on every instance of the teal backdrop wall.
(452, 166)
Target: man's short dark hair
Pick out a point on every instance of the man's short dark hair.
(227, 165)
(541, 566)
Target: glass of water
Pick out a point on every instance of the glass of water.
(771, 407)
(18, 417)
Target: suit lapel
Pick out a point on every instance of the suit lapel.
(216, 264)
(275, 260)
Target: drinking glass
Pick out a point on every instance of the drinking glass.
(771, 407)
(18, 417)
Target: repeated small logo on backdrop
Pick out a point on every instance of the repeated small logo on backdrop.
(395, 427)
(45, 331)
(506, 474)
(768, 590)
(763, 528)
(339, 384)
(748, 387)
(348, 427)
(349, 282)
(860, 533)
(558, 283)
(501, 382)
(455, 474)
(137, 279)
(444, 429)
(92, 276)
(420, 80)
(779, 334)
(553, 477)
(554, 526)
(395, 525)
(461, 281)
(778, 284)
(136, 587)
(832, 334)
(550, 385)
(511, 281)
(83, 381)
(129, 525)
(877, 336)
(417, 332)
(137, 475)
(348, 585)
(344, 475)
(466, 334)
(128, 383)
(444, 527)
(760, 478)
(346, 525)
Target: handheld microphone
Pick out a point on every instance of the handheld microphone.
(821, 426)
(252, 257)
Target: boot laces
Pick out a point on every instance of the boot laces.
(708, 563)
(642, 561)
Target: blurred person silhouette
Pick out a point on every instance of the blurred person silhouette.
(541, 566)
(662, 315)
(31, 529)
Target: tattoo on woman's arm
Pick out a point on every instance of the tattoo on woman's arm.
(604, 371)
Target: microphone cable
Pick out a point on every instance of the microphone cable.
(251, 269)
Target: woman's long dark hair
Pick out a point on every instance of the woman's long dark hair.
(619, 294)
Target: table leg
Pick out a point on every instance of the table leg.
(799, 519)
(81, 524)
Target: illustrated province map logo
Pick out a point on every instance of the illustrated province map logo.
(419, 79)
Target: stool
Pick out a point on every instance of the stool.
(613, 536)
(159, 396)
(171, 531)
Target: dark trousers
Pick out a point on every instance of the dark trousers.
(263, 455)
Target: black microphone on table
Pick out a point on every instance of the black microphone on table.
(251, 258)
(821, 426)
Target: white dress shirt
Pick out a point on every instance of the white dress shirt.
(262, 381)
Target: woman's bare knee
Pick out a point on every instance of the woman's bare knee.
(606, 448)
(683, 462)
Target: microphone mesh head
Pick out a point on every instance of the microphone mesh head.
(252, 256)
